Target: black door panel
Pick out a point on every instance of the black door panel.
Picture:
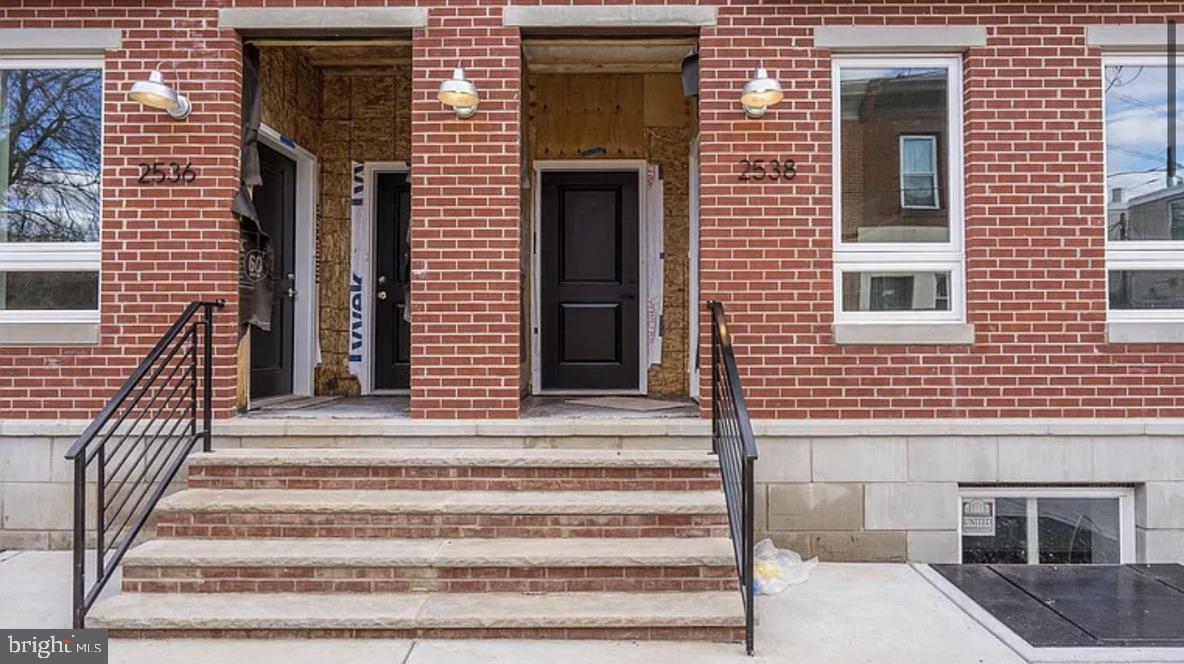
(392, 282)
(275, 201)
(589, 283)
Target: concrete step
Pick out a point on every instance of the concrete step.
(425, 565)
(706, 616)
(396, 513)
(456, 469)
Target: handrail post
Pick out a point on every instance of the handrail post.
(79, 541)
(749, 505)
(207, 377)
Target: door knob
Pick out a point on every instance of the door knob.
(380, 295)
(292, 293)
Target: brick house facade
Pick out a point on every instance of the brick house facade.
(1033, 225)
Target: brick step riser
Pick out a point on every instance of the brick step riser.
(437, 526)
(683, 633)
(454, 478)
(690, 578)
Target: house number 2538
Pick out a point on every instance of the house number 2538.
(773, 169)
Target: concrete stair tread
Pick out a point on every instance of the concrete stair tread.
(552, 552)
(476, 457)
(152, 611)
(443, 502)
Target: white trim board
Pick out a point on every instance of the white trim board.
(591, 165)
(369, 170)
(304, 334)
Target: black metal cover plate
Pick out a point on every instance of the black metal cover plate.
(1080, 605)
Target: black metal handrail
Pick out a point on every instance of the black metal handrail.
(733, 442)
(136, 445)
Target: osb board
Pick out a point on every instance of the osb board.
(632, 116)
(365, 116)
(290, 103)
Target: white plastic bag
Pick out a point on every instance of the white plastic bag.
(774, 570)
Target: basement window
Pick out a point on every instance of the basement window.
(898, 201)
(50, 182)
(1046, 525)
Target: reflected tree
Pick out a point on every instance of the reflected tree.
(50, 154)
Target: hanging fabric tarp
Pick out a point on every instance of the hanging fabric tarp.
(655, 222)
(359, 276)
(255, 252)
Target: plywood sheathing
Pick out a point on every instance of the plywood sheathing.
(290, 103)
(366, 116)
(631, 116)
(342, 114)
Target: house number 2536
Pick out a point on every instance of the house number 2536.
(772, 169)
(160, 173)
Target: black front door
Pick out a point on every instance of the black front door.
(392, 282)
(589, 258)
(275, 201)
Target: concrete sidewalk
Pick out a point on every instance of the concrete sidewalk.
(845, 614)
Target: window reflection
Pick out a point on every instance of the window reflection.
(896, 291)
(894, 126)
(50, 154)
(1146, 198)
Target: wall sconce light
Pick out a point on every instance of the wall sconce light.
(459, 93)
(760, 93)
(155, 94)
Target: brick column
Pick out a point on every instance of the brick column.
(465, 220)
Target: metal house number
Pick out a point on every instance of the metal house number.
(772, 169)
(161, 173)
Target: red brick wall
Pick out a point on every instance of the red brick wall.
(1034, 218)
(1034, 225)
(163, 246)
(465, 220)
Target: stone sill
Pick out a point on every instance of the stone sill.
(1145, 332)
(907, 334)
(48, 334)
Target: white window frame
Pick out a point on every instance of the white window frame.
(903, 257)
(1136, 255)
(934, 175)
(57, 256)
(1126, 512)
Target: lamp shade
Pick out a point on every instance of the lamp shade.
(154, 93)
(459, 93)
(762, 91)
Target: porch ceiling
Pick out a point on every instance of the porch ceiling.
(606, 55)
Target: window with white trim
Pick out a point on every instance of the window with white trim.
(1046, 525)
(898, 194)
(1145, 209)
(50, 187)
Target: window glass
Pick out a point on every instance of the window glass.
(896, 291)
(1143, 189)
(50, 154)
(1078, 530)
(890, 184)
(1003, 537)
(1147, 289)
(918, 171)
(42, 291)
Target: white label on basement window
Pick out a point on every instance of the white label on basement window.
(978, 517)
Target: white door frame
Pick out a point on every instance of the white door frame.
(693, 271)
(304, 313)
(369, 170)
(540, 167)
